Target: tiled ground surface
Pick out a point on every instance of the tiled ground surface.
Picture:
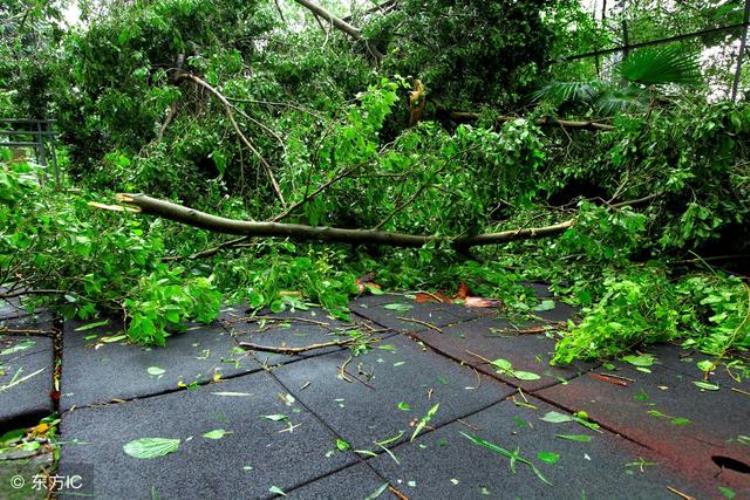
(326, 424)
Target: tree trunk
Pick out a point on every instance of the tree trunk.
(195, 218)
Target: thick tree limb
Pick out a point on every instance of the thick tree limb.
(336, 22)
(236, 242)
(339, 24)
(195, 218)
(462, 116)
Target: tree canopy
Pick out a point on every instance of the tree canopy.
(419, 144)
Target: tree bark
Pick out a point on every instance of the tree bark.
(336, 22)
(461, 116)
(340, 25)
(195, 218)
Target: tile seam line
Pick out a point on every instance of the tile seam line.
(536, 394)
(359, 459)
(160, 393)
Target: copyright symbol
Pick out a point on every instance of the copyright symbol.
(17, 482)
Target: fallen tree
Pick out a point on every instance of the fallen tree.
(186, 215)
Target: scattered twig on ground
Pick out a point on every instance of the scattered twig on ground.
(680, 494)
(420, 322)
(292, 350)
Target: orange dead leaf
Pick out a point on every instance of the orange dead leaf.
(463, 291)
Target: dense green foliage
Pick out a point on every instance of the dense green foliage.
(655, 197)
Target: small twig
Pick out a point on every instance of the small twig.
(230, 114)
(25, 331)
(21, 293)
(479, 380)
(292, 350)
(467, 424)
(342, 370)
(279, 319)
(397, 493)
(680, 494)
(608, 379)
(479, 356)
(21, 380)
(419, 321)
(520, 393)
(735, 389)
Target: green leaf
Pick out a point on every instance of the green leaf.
(398, 307)
(276, 491)
(424, 421)
(21, 346)
(680, 421)
(555, 417)
(642, 361)
(375, 494)
(641, 396)
(706, 386)
(502, 364)
(147, 448)
(545, 305)
(660, 65)
(91, 326)
(579, 438)
(216, 434)
(513, 456)
(404, 406)
(342, 445)
(728, 493)
(155, 371)
(548, 457)
(523, 375)
(275, 418)
(112, 340)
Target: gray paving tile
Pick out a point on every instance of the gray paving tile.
(372, 307)
(355, 482)
(298, 329)
(406, 373)
(644, 408)
(444, 463)
(110, 371)
(492, 339)
(25, 380)
(202, 468)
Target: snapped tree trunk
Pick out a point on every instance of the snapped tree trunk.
(202, 220)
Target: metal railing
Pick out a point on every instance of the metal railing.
(36, 134)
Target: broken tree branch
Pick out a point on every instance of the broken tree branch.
(339, 24)
(236, 242)
(183, 75)
(336, 22)
(462, 116)
(195, 218)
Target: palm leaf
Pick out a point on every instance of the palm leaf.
(660, 65)
(562, 92)
(616, 100)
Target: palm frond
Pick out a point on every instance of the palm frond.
(660, 65)
(562, 92)
(618, 100)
